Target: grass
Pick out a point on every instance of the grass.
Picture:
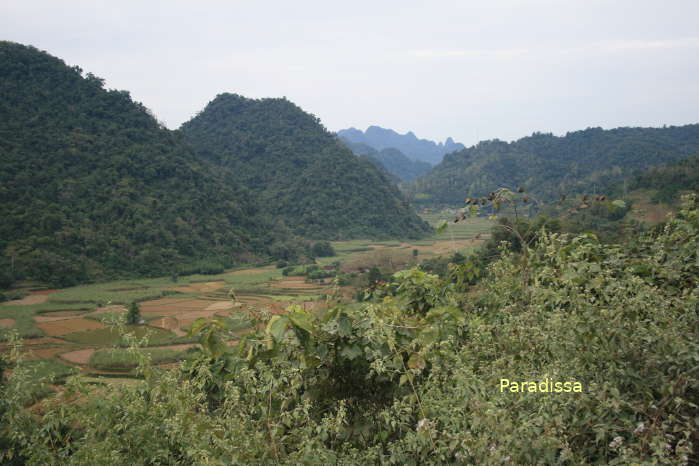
(125, 360)
(296, 298)
(23, 317)
(110, 335)
(50, 370)
(43, 372)
(465, 229)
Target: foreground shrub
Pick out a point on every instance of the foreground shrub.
(414, 375)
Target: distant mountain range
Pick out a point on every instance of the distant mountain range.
(549, 166)
(416, 149)
(401, 168)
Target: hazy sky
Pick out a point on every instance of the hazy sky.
(468, 69)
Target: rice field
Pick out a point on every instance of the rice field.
(71, 329)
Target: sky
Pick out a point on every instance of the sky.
(469, 69)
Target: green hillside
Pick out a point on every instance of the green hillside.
(92, 186)
(593, 160)
(300, 171)
(668, 181)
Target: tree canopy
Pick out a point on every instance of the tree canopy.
(92, 186)
(300, 171)
(588, 161)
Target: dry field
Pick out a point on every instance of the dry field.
(7, 323)
(80, 357)
(66, 326)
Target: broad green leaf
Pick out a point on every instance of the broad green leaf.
(351, 352)
(277, 326)
(344, 326)
(302, 320)
(441, 226)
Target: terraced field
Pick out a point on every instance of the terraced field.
(72, 329)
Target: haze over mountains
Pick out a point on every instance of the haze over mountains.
(400, 167)
(417, 149)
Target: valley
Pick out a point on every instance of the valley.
(249, 287)
(74, 329)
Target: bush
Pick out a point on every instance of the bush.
(322, 249)
(415, 376)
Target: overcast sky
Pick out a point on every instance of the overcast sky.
(469, 69)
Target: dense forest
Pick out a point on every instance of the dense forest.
(668, 181)
(593, 160)
(380, 138)
(301, 172)
(392, 160)
(92, 186)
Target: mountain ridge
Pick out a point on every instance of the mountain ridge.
(93, 187)
(549, 166)
(418, 149)
(300, 170)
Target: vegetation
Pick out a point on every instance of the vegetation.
(590, 161)
(126, 359)
(304, 176)
(133, 315)
(415, 374)
(398, 165)
(669, 181)
(111, 336)
(93, 187)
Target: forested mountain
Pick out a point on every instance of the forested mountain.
(593, 160)
(92, 186)
(668, 181)
(301, 172)
(392, 160)
(417, 149)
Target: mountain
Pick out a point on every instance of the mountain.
(669, 181)
(301, 172)
(372, 155)
(392, 160)
(93, 187)
(592, 160)
(417, 149)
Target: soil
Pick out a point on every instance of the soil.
(221, 306)
(63, 327)
(6, 323)
(78, 357)
(34, 298)
(169, 323)
(199, 287)
(45, 353)
(173, 306)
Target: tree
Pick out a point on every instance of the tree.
(133, 316)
